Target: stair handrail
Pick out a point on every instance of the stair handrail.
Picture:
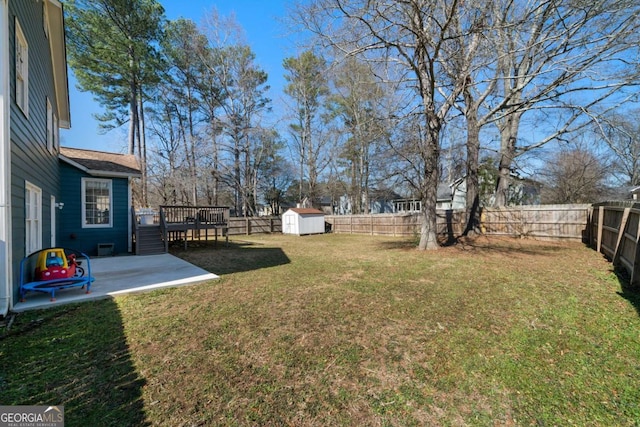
(134, 229)
(163, 229)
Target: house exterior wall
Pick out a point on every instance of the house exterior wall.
(31, 161)
(71, 233)
(6, 282)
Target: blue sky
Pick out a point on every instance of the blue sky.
(264, 31)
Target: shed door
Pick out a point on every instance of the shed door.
(290, 223)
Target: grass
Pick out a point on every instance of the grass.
(346, 330)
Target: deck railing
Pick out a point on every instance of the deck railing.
(176, 221)
(198, 215)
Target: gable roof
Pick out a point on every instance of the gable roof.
(101, 163)
(307, 211)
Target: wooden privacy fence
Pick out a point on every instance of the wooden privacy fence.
(537, 221)
(448, 223)
(615, 232)
(253, 225)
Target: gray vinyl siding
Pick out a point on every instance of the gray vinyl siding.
(72, 234)
(30, 159)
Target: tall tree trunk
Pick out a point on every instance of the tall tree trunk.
(508, 138)
(143, 147)
(473, 154)
(133, 101)
(215, 165)
(429, 196)
(303, 148)
(236, 174)
(193, 168)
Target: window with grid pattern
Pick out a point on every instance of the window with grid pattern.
(96, 203)
(22, 70)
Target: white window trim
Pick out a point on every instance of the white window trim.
(32, 245)
(45, 19)
(84, 203)
(50, 129)
(56, 134)
(22, 69)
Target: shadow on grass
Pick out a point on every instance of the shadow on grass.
(628, 292)
(76, 356)
(481, 243)
(238, 256)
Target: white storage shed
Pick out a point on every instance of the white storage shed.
(303, 221)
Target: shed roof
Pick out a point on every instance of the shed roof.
(101, 163)
(307, 211)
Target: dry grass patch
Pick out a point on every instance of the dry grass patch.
(361, 330)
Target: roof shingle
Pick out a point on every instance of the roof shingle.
(101, 162)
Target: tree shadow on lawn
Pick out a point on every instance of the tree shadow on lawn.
(628, 292)
(76, 356)
(238, 256)
(486, 244)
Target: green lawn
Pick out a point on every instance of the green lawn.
(345, 330)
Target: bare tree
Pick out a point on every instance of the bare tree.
(557, 59)
(409, 37)
(182, 47)
(356, 103)
(241, 97)
(307, 87)
(574, 175)
(621, 132)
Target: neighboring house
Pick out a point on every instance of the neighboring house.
(96, 200)
(380, 201)
(34, 104)
(452, 196)
(522, 191)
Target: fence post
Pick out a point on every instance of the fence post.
(634, 281)
(394, 226)
(621, 230)
(600, 225)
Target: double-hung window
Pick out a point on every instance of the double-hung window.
(33, 218)
(22, 70)
(97, 203)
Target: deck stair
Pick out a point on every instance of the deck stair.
(149, 240)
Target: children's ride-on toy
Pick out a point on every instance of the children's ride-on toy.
(55, 269)
(55, 264)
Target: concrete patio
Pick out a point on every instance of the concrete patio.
(124, 274)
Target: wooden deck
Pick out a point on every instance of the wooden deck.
(176, 223)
